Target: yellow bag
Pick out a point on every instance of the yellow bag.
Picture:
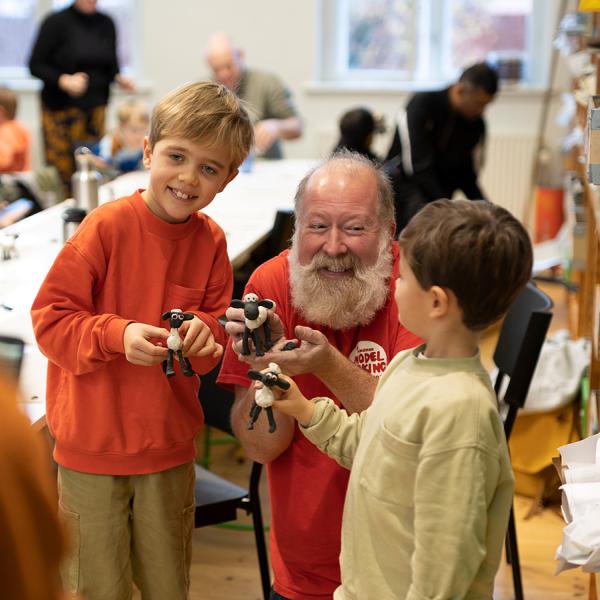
(589, 5)
(533, 443)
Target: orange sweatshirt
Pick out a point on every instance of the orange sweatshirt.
(125, 264)
(15, 147)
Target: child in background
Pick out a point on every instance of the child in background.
(124, 432)
(123, 149)
(15, 143)
(431, 484)
(357, 129)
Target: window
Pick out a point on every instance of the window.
(17, 28)
(433, 40)
(19, 21)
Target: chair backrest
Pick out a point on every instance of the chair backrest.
(216, 401)
(281, 233)
(11, 356)
(519, 345)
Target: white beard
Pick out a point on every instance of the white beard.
(345, 302)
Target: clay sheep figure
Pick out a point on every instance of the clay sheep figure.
(176, 318)
(255, 315)
(264, 397)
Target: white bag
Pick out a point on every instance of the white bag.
(558, 374)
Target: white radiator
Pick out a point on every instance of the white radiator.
(506, 174)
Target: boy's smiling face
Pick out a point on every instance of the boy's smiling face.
(185, 176)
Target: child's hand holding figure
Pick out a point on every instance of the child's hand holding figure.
(292, 402)
(140, 349)
(198, 339)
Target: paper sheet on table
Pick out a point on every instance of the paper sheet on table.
(579, 546)
(580, 496)
(582, 474)
(584, 452)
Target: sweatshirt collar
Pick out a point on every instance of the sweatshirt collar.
(433, 366)
(153, 224)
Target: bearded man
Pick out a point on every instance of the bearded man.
(334, 295)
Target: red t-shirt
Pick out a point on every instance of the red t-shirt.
(306, 487)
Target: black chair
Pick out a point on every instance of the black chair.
(277, 240)
(217, 499)
(519, 345)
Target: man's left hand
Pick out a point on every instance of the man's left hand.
(311, 356)
(265, 134)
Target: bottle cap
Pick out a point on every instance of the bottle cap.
(74, 215)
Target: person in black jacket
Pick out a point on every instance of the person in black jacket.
(75, 56)
(438, 142)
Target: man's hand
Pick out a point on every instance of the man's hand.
(312, 355)
(75, 85)
(265, 134)
(235, 330)
(198, 339)
(139, 350)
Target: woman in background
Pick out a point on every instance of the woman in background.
(75, 56)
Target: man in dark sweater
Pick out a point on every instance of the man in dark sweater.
(438, 142)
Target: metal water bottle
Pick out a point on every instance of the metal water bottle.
(85, 182)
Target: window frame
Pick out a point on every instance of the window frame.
(429, 72)
(23, 78)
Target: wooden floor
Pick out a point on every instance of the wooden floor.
(224, 562)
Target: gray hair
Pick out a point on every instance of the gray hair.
(385, 194)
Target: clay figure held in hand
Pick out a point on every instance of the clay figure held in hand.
(176, 318)
(264, 396)
(255, 316)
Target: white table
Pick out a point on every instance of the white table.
(245, 210)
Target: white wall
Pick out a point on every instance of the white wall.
(281, 36)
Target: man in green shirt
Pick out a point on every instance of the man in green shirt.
(270, 104)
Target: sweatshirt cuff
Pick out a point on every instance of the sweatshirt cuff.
(322, 426)
(113, 335)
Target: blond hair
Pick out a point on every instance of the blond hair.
(204, 112)
(8, 101)
(133, 110)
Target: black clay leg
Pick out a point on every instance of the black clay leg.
(268, 342)
(186, 367)
(245, 347)
(254, 412)
(169, 371)
(272, 424)
(257, 343)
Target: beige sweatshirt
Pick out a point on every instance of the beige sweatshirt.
(431, 483)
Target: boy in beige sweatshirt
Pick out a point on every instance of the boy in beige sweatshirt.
(431, 484)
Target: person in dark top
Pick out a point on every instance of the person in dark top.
(437, 147)
(357, 128)
(75, 56)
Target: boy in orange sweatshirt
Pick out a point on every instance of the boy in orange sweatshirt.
(124, 432)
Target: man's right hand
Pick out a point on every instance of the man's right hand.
(235, 329)
(75, 85)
